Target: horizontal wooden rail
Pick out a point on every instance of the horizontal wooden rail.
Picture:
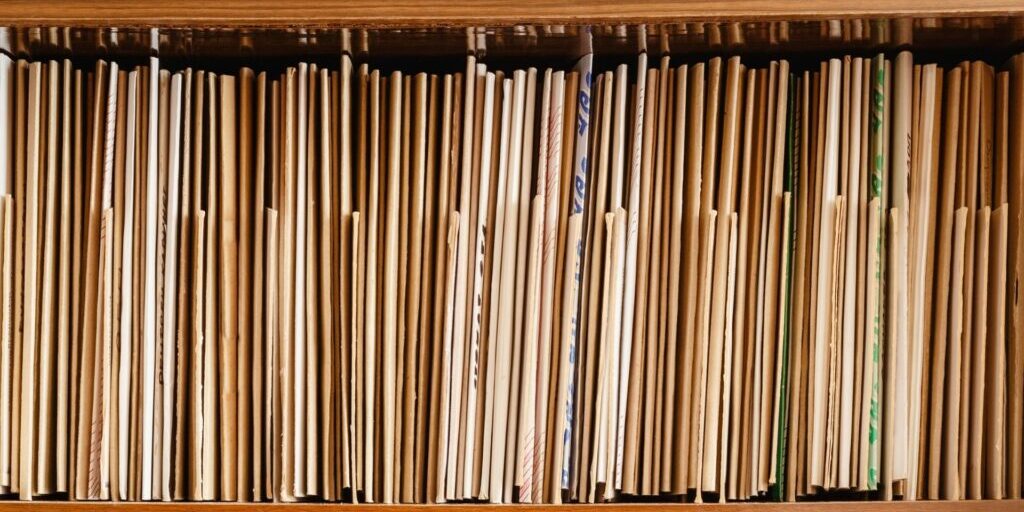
(426, 13)
(839, 506)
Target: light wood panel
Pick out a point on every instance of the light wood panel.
(362, 13)
(846, 506)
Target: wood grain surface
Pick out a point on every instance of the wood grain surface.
(846, 506)
(424, 13)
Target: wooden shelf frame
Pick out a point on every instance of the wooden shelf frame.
(453, 15)
(838, 506)
(434, 13)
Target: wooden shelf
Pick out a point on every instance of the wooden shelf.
(844, 506)
(429, 13)
(218, 29)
